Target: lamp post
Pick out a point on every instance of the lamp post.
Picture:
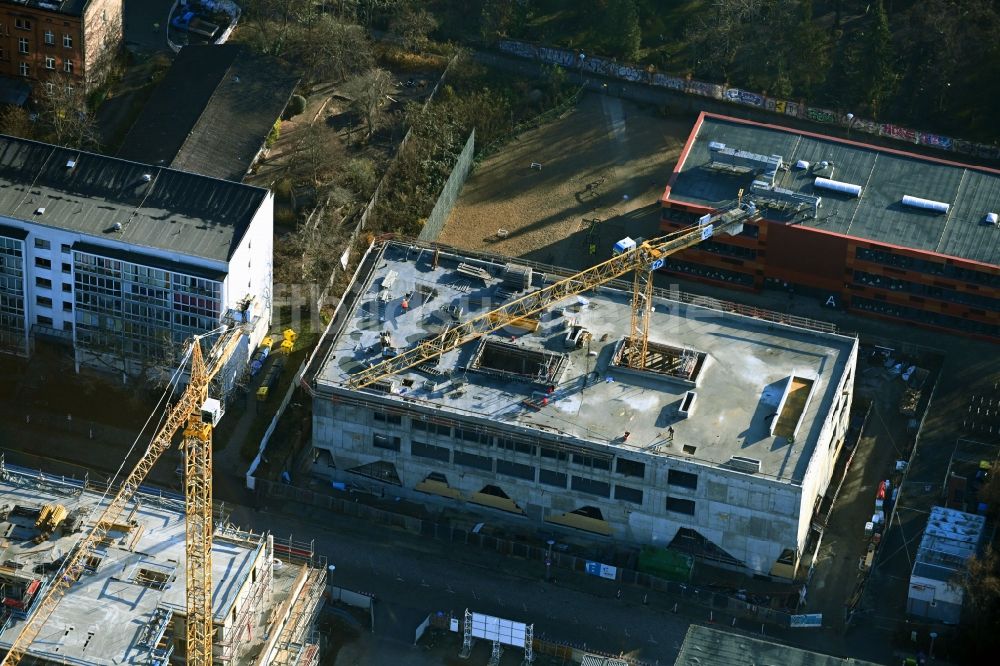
(548, 561)
(933, 636)
(850, 121)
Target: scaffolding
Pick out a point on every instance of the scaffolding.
(248, 617)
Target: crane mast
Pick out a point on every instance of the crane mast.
(640, 259)
(198, 496)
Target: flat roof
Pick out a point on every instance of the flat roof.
(950, 539)
(212, 111)
(100, 619)
(746, 366)
(885, 176)
(74, 7)
(704, 646)
(157, 207)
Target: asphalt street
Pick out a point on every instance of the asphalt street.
(411, 577)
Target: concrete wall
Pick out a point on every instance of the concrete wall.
(753, 518)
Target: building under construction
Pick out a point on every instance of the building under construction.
(129, 606)
(722, 444)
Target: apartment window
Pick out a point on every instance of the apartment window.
(550, 478)
(66, 268)
(50, 87)
(422, 450)
(42, 244)
(68, 326)
(23, 69)
(44, 321)
(380, 441)
(65, 249)
(67, 306)
(22, 45)
(472, 436)
(44, 283)
(22, 24)
(67, 288)
(675, 477)
(679, 505)
(67, 41)
(50, 62)
(516, 446)
(630, 468)
(44, 301)
(628, 494)
(50, 37)
(517, 470)
(41, 262)
(591, 486)
(68, 66)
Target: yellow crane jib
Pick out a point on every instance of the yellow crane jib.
(198, 479)
(642, 258)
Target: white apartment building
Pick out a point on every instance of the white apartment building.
(123, 261)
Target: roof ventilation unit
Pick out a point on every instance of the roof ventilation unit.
(70, 164)
(118, 226)
(838, 186)
(40, 210)
(926, 204)
(716, 145)
(802, 164)
(742, 464)
(146, 177)
(992, 218)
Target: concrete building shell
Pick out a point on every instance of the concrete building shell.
(600, 448)
(129, 607)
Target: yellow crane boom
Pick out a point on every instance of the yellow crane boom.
(642, 259)
(199, 545)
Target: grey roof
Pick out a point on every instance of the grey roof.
(747, 367)
(950, 539)
(180, 212)
(704, 646)
(212, 112)
(74, 7)
(885, 176)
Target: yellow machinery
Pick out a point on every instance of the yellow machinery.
(197, 445)
(643, 258)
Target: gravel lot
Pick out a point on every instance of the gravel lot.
(607, 158)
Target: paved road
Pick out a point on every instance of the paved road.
(412, 577)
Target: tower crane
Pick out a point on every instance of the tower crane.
(643, 258)
(197, 447)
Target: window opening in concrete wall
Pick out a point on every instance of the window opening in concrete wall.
(630, 468)
(379, 470)
(687, 448)
(589, 512)
(692, 541)
(680, 505)
(380, 441)
(676, 477)
(628, 494)
(510, 361)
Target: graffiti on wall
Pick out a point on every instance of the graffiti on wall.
(624, 72)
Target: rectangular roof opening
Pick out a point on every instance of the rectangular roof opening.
(683, 365)
(510, 361)
(790, 409)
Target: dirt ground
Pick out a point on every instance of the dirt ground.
(607, 159)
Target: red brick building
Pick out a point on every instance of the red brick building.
(870, 229)
(59, 40)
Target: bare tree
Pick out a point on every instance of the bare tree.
(14, 121)
(64, 115)
(332, 50)
(273, 24)
(368, 92)
(413, 24)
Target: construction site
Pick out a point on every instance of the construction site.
(720, 442)
(129, 604)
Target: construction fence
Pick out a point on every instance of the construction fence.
(578, 61)
(449, 193)
(679, 592)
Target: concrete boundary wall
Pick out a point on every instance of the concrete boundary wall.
(579, 61)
